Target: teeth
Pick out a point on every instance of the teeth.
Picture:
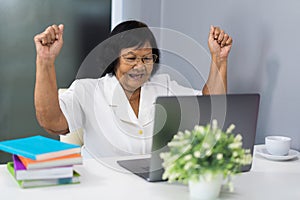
(136, 76)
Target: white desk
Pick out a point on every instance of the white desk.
(267, 180)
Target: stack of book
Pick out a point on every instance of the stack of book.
(41, 161)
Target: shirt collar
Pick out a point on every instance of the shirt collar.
(118, 101)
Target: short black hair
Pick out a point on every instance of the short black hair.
(125, 35)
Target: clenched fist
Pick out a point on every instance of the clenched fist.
(49, 43)
(219, 44)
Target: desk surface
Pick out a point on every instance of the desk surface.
(100, 180)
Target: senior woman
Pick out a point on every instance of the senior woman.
(116, 111)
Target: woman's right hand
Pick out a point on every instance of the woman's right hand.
(49, 43)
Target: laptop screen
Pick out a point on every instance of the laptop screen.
(173, 114)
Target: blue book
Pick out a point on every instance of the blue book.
(38, 147)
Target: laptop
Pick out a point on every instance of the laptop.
(179, 113)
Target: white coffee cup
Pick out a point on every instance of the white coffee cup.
(278, 145)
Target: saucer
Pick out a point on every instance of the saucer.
(264, 153)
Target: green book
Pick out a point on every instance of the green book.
(43, 182)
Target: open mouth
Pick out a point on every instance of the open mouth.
(136, 76)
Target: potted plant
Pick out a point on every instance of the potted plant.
(203, 158)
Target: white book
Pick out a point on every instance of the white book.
(21, 173)
(44, 182)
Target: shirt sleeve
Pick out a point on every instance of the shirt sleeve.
(71, 108)
(175, 89)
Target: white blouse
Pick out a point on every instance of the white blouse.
(110, 126)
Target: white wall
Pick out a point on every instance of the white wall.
(142, 10)
(265, 56)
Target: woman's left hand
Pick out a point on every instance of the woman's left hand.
(219, 44)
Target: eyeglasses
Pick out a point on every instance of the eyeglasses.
(147, 60)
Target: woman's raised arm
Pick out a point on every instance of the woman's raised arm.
(49, 115)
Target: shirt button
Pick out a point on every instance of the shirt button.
(140, 132)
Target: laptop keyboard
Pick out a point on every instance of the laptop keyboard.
(136, 165)
(146, 169)
(141, 167)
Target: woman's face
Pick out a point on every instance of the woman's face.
(134, 67)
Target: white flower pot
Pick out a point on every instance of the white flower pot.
(207, 188)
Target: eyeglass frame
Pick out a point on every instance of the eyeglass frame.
(137, 58)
